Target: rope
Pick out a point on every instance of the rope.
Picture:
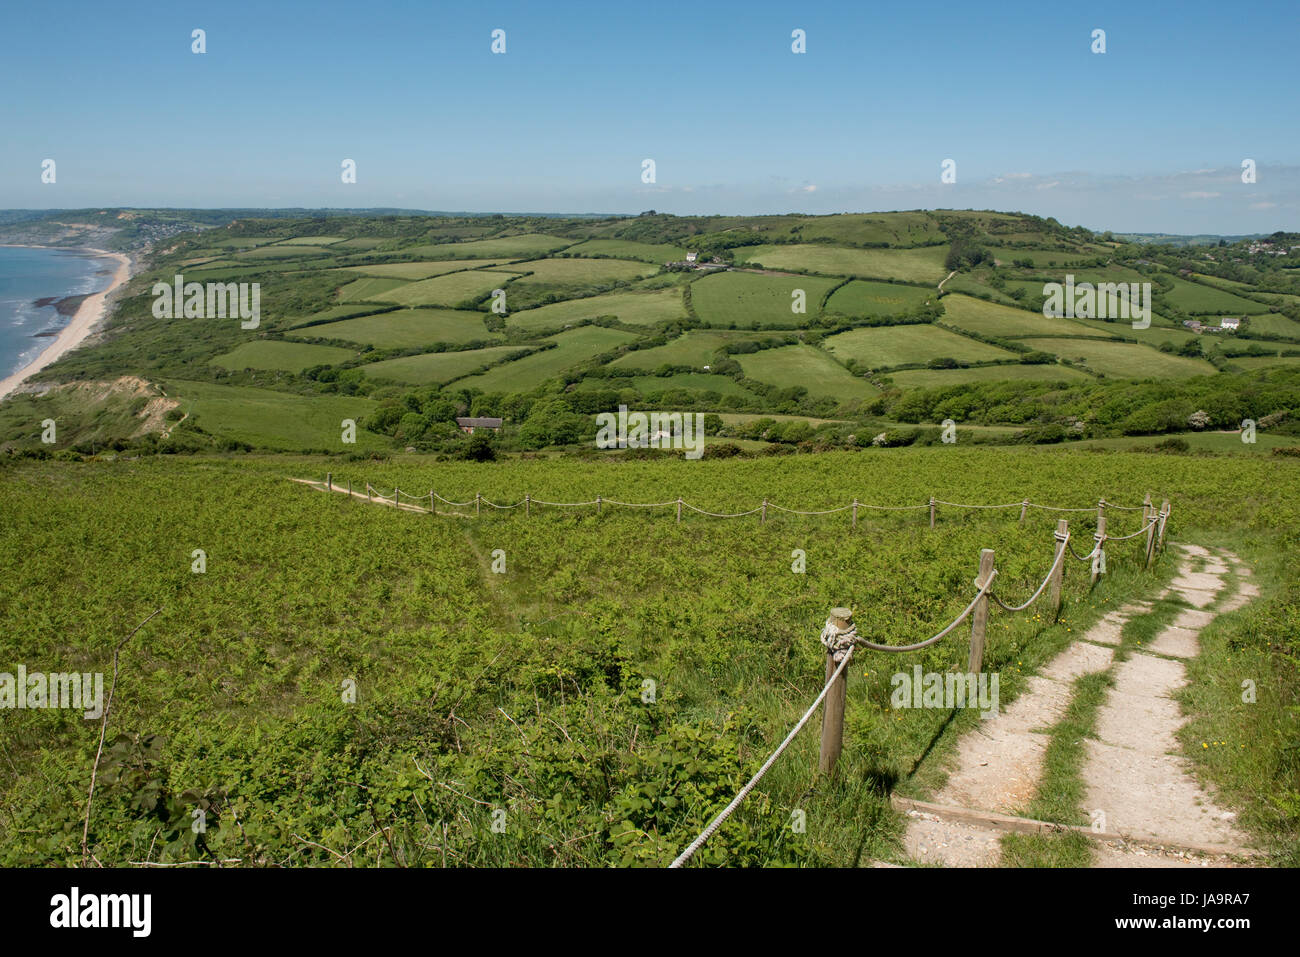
(752, 511)
(538, 501)
(934, 638)
(795, 511)
(1060, 556)
(959, 505)
(1084, 558)
(1052, 508)
(1121, 538)
(743, 793)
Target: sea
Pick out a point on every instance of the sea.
(28, 276)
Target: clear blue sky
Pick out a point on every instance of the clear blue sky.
(1147, 137)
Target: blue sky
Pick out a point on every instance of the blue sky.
(1148, 136)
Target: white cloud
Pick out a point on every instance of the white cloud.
(1201, 194)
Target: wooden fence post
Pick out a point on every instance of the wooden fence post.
(1100, 551)
(349, 490)
(1164, 520)
(477, 497)
(679, 511)
(528, 504)
(762, 519)
(1101, 509)
(980, 616)
(1058, 574)
(1149, 520)
(598, 506)
(932, 511)
(833, 708)
(855, 513)
(370, 495)
(433, 507)
(329, 481)
(1024, 507)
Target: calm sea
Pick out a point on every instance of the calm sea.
(27, 275)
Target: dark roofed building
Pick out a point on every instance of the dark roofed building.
(482, 422)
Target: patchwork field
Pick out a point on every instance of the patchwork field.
(694, 348)
(863, 298)
(408, 328)
(752, 301)
(1263, 362)
(1274, 325)
(1199, 300)
(991, 319)
(808, 367)
(439, 368)
(942, 378)
(633, 308)
(420, 270)
(275, 420)
(510, 247)
(1123, 360)
(275, 354)
(627, 249)
(583, 270)
(690, 381)
(371, 286)
(454, 289)
(911, 265)
(572, 348)
(883, 346)
(896, 229)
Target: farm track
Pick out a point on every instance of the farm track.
(1149, 809)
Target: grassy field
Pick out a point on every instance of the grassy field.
(633, 308)
(544, 665)
(809, 367)
(1261, 362)
(508, 247)
(691, 381)
(991, 319)
(420, 270)
(451, 290)
(572, 348)
(310, 241)
(439, 368)
(1123, 360)
(884, 346)
(895, 229)
(863, 298)
(282, 252)
(627, 249)
(274, 354)
(939, 378)
(370, 287)
(694, 348)
(1198, 300)
(583, 270)
(753, 301)
(1049, 258)
(911, 265)
(274, 420)
(1274, 325)
(408, 328)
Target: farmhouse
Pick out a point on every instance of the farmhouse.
(1230, 322)
(468, 425)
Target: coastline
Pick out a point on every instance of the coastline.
(88, 315)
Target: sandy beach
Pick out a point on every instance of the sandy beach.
(88, 315)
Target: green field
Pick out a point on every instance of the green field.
(275, 354)
(941, 378)
(911, 265)
(628, 249)
(282, 252)
(809, 367)
(275, 420)
(408, 328)
(362, 289)
(692, 348)
(451, 290)
(690, 381)
(883, 346)
(1263, 362)
(439, 368)
(751, 301)
(990, 319)
(310, 241)
(1123, 360)
(1274, 325)
(590, 271)
(1006, 255)
(863, 298)
(894, 229)
(633, 308)
(572, 348)
(420, 270)
(509, 247)
(1200, 300)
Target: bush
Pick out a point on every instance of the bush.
(1172, 444)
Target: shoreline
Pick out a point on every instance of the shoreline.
(88, 315)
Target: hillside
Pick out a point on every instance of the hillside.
(861, 322)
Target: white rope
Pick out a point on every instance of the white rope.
(795, 511)
(1121, 538)
(933, 638)
(716, 823)
(960, 505)
(538, 501)
(752, 511)
(1060, 557)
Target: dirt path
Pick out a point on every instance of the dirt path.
(1146, 807)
